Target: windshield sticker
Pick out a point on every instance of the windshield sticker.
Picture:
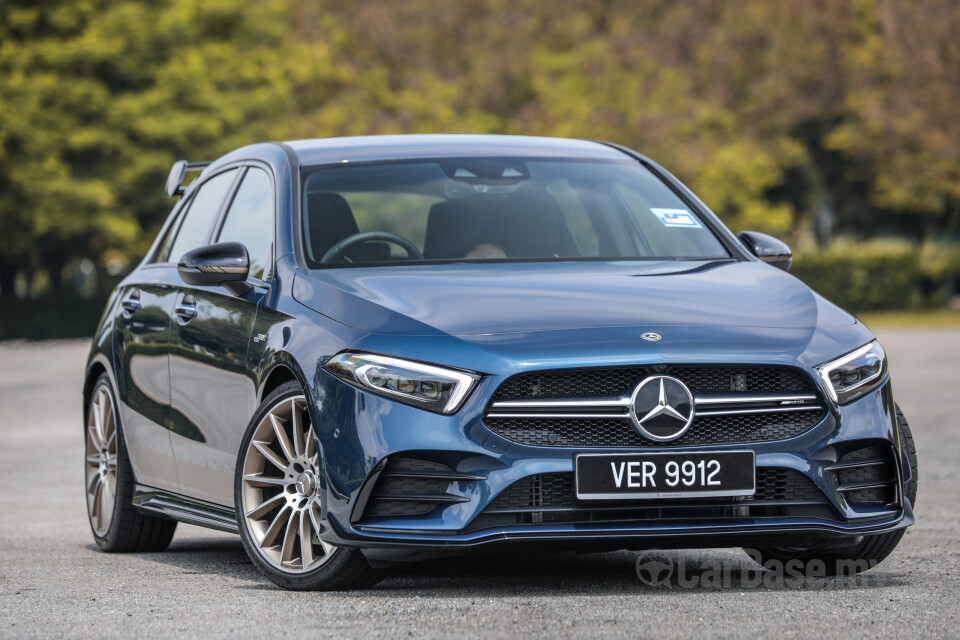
(677, 218)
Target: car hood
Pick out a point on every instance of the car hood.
(507, 298)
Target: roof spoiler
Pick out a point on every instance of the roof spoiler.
(177, 171)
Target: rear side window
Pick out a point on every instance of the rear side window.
(250, 219)
(196, 223)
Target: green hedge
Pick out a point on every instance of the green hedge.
(865, 277)
(50, 316)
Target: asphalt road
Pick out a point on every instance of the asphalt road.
(54, 583)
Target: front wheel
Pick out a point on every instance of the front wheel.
(277, 494)
(871, 550)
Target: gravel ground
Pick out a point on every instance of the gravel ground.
(54, 583)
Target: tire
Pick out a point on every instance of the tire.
(278, 497)
(116, 525)
(871, 550)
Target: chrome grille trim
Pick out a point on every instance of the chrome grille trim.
(733, 404)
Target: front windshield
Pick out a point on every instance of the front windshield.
(496, 210)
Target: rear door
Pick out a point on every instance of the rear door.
(148, 299)
(140, 348)
(212, 396)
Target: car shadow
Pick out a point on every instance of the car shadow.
(531, 574)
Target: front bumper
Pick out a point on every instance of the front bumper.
(359, 433)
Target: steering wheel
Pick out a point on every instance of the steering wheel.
(338, 251)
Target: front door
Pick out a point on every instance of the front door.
(212, 395)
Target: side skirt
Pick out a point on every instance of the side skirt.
(190, 510)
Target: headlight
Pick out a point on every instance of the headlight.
(855, 374)
(421, 385)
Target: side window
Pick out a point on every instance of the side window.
(163, 251)
(201, 214)
(250, 219)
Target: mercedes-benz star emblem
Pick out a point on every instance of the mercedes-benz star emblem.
(650, 336)
(662, 408)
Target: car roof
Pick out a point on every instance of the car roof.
(400, 147)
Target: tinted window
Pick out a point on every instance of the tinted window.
(201, 215)
(250, 219)
(163, 252)
(481, 209)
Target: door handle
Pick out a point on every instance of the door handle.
(186, 310)
(131, 304)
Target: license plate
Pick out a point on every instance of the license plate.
(665, 475)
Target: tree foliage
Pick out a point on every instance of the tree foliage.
(785, 116)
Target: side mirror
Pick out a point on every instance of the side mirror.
(767, 248)
(225, 264)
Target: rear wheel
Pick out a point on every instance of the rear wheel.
(116, 525)
(871, 550)
(278, 500)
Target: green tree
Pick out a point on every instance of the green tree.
(98, 98)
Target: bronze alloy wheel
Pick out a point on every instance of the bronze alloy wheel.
(280, 493)
(101, 467)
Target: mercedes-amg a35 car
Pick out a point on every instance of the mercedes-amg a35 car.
(361, 351)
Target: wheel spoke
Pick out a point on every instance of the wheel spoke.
(268, 453)
(94, 481)
(282, 438)
(296, 422)
(94, 459)
(257, 513)
(265, 481)
(95, 508)
(306, 541)
(327, 547)
(275, 527)
(110, 430)
(95, 438)
(289, 538)
(106, 502)
(103, 409)
(314, 521)
(97, 416)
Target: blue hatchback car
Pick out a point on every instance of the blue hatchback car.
(361, 351)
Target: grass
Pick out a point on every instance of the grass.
(936, 318)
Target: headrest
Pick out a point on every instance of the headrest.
(329, 220)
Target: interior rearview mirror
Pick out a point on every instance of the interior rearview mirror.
(225, 264)
(767, 248)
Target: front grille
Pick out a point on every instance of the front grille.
(589, 407)
(867, 475)
(551, 497)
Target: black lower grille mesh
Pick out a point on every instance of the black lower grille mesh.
(556, 491)
(391, 495)
(585, 432)
(878, 468)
